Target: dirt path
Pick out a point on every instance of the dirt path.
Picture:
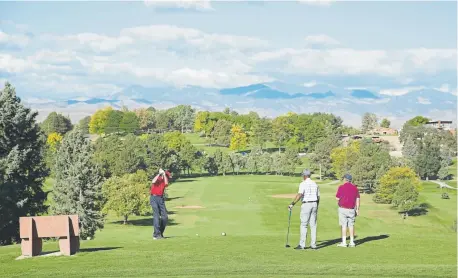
(443, 184)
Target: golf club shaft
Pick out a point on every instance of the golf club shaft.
(289, 222)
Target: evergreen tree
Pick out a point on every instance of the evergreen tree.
(22, 168)
(56, 123)
(83, 124)
(428, 160)
(78, 187)
(410, 149)
(405, 197)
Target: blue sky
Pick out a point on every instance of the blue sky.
(97, 48)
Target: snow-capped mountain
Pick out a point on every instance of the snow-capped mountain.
(268, 99)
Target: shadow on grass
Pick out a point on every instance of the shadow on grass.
(336, 241)
(422, 209)
(184, 180)
(97, 249)
(173, 198)
(144, 222)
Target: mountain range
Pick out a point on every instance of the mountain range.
(268, 99)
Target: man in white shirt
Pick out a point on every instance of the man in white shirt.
(309, 194)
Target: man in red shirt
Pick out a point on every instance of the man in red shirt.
(348, 201)
(160, 218)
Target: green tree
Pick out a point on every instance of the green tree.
(444, 170)
(251, 164)
(428, 160)
(226, 164)
(261, 132)
(83, 124)
(405, 196)
(369, 122)
(390, 181)
(127, 195)
(417, 121)
(364, 172)
(321, 157)
(22, 168)
(116, 156)
(265, 163)
(291, 161)
(129, 122)
(277, 163)
(210, 165)
(221, 133)
(164, 120)
(281, 131)
(182, 117)
(343, 158)
(157, 155)
(78, 187)
(114, 118)
(146, 118)
(410, 149)
(56, 123)
(237, 162)
(385, 123)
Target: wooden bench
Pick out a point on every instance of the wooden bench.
(33, 229)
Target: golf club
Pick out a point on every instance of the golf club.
(287, 235)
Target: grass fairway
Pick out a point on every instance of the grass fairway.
(422, 246)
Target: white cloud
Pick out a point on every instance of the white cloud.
(400, 91)
(445, 88)
(317, 2)
(310, 84)
(423, 100)
(194, 37)
(321, 40)
(182, 4)
(18, 40)
(11, 64)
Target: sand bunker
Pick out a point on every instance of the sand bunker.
(284, 196)
(190, 207)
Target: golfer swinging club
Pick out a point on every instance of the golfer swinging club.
(160, 218)
(309, 192)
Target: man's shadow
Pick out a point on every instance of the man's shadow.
(326, 243)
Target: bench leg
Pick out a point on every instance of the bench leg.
(31, 246)
(69, 246)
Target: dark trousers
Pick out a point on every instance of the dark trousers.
(160, 217)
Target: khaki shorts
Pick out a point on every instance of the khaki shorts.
(347, 217)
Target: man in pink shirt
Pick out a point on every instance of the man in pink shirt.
(348, 201)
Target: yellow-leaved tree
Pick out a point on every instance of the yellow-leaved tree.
(392, 181)
(343, 158)
(239, 139)
(54, 140)
(99, 120)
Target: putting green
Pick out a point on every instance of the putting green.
(254, 246)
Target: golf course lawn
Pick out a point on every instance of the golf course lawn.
(256, 225)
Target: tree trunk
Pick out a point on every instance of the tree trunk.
(125, 219)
